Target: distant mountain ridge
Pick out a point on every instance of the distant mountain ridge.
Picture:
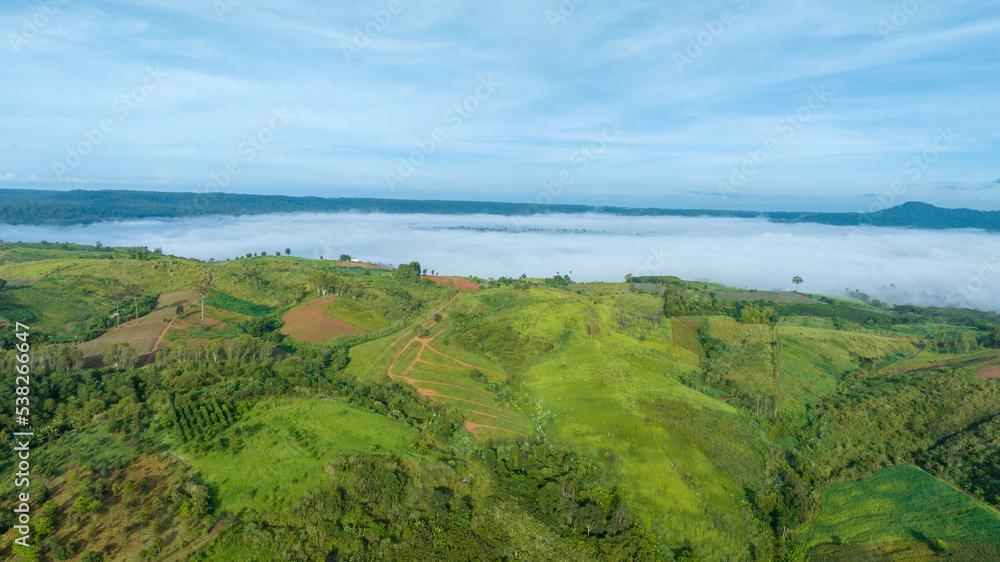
(25, 206)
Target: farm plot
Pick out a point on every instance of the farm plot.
(900, 504)
(435, 373)
(769, 296)
(308, 322)
(144, 334)
(457, 282)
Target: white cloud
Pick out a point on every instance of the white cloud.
(957, 267)
(10, 176)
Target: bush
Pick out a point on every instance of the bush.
(64, 552)
(939, 546)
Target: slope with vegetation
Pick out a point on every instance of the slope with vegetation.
(655, 419)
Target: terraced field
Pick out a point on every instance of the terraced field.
(436, 373)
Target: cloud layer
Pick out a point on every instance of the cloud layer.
(957, 268)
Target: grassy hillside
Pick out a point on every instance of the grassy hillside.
(902, 505)
(524, 418)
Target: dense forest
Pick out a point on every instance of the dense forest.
(23, 206)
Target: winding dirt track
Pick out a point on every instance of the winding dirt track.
(425, 345)
(159, 339)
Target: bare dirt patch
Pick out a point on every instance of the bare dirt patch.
(362, 264)
(307, 322)
(458, 283)
(989, 371)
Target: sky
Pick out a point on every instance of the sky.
(725, 104)
(901, 266)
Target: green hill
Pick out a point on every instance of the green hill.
(532, 418)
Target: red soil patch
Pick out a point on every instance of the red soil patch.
(990, 371)
(362, 264)
(460, 284)
(307, 322)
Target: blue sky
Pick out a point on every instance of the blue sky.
(725, 104)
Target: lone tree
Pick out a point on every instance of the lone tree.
(288, 251)
(798, 281)
(345, 257)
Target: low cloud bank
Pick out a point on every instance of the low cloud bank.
(939, 268)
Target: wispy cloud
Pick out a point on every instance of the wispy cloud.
(358, 115)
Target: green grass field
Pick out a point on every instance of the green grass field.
(287, 445)
(604, 374)
(927, 358)
(900, 504)
(357, 314)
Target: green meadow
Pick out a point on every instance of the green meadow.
(285, 446)
(900, 504)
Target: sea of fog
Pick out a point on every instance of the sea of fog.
(955, 267)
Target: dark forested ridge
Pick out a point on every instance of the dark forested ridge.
(25, 206)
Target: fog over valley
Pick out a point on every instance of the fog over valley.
(935, 268)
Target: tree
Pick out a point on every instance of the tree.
(179, 310)
(966, 342)
(216, 349)
(345, 257)
(3, 284)
(249, 255)
(798, 281)
(120, 356)
(940, 340)
(408, 271)
(754, 314)
(288, 251)
(591, 519)
(996, 337)
(44, 526)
